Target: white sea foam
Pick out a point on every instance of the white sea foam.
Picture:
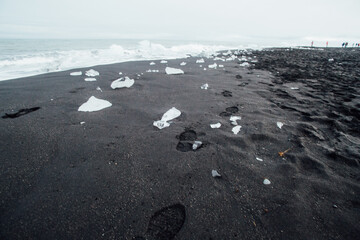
(53, 60)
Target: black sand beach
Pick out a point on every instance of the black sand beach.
(118, 177)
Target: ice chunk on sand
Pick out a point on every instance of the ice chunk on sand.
(196, 145)
(214, 66)
(205, 86)
(200, 60)
(81, 123)
(183, 64)
(90, 79)
(76, 73)
(331, 60)
(152, 63)
(215, 173)
(221, 66)
(173, 71)
(92, 73)
(152, 70)
(294, 88)
(169, 115)
(94, 104)
(120, 73)
(215, 125)
(163, 61)
(121, 83)
(227, 53)
(236, 129)
(233, 120)
(99, 89)
(266, 181)
(219, 59)
(259, 159)
(204, 69)
(279, 124)
(244, 64)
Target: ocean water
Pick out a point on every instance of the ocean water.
(22, 58)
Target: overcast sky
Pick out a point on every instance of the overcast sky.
(180, 19)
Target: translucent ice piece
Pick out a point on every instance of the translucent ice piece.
(236, 129)
(76, 73)
(173, 71)
(216, 125)
(92, 73)
(215, 173)
(121, 83)
(94, 104)
(205, 86)
(196, 145)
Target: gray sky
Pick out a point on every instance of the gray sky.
(184, 19)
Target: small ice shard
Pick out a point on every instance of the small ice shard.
(227, 53)
(200, 60)
(92, 73)
(52, 99)
(152, 70)
(163, 61)
(236, 129)
(204, 69)
(233, 120)
(266, 181)
(121, 83)
(183, 64)
(76, 73)
(221, 66)
(81, 123)
(215, 174)
(294, 88)
(214, 66)
(215, 125)
(244, 64)
(205, 86)
(173, 71)
(169, 115)
(331, 60)
(219, 59)
(152, 63)
(120, 73)
(196, 145)
(90, 79)
(279, 124)
(99, 89)
(200, 66)
(259, 159)
(94, 104)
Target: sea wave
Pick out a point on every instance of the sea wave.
(51, 61)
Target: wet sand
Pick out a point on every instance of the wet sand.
(116, 176)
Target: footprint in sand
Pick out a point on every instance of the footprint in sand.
(229, 111)
(227, 93)
(21, 112)
(165, 223)
(188, 141)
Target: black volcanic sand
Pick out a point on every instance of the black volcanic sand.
(119, 177)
